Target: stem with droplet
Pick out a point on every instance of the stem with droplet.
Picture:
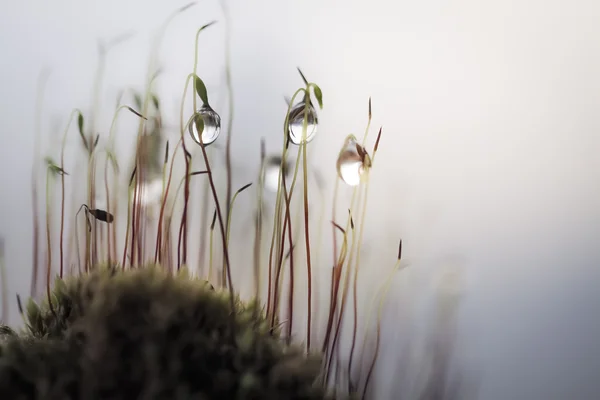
(278, 203)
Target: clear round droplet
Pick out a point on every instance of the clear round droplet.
(271, 173)
(208, 122)
(296, 121)
(353, 162)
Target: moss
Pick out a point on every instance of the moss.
(146, 334)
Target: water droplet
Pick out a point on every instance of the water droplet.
(210, 121)
(296, 121)
(271, 174)
(352, 162)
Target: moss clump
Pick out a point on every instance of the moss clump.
(146, 334)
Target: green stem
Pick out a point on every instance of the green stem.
(49, 262)
(355, 288)
(62, 184)
(385, 290)
(230, 99)
(278, 203)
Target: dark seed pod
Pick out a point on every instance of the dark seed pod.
(102, 215)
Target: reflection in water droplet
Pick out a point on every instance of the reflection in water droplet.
(352, 162)
(211, 122)
(271, 174)
(296, 121)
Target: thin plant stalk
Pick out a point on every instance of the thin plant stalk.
(108, 209)
(164, 202)
(221, 225)
(291, 255)
(4, 284)
(355, 283)
(103, 50)
(336, 270)
(246, 186)
(307, 240)
(358, 251)
(321, 215)
(259, 223)
(286, 226)
(335, 286)
(181, 183)
(381, 292)
(62, 188)
(187, 156)
(210, 256)
(352, 249)
(42, 79)
(383, 295)
(306, 220)
(229, 212)
(278, 205)
(128, 225)
(344, 297)
(151, 74)
(48, 234)
(229, 85)
(109, 155)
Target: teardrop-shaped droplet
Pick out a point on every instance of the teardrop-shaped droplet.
(353, 162)
(206, 121)
(271, 174)
(296, 122)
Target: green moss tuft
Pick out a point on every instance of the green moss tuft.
(147, 334)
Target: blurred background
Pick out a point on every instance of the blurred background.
(488, 161)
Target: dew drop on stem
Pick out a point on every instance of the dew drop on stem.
(205, 124)
(353, 161)
(296, 122)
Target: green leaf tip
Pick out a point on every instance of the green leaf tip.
(80, 123)
(55, 168)
(201, 90)
(318, 94)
